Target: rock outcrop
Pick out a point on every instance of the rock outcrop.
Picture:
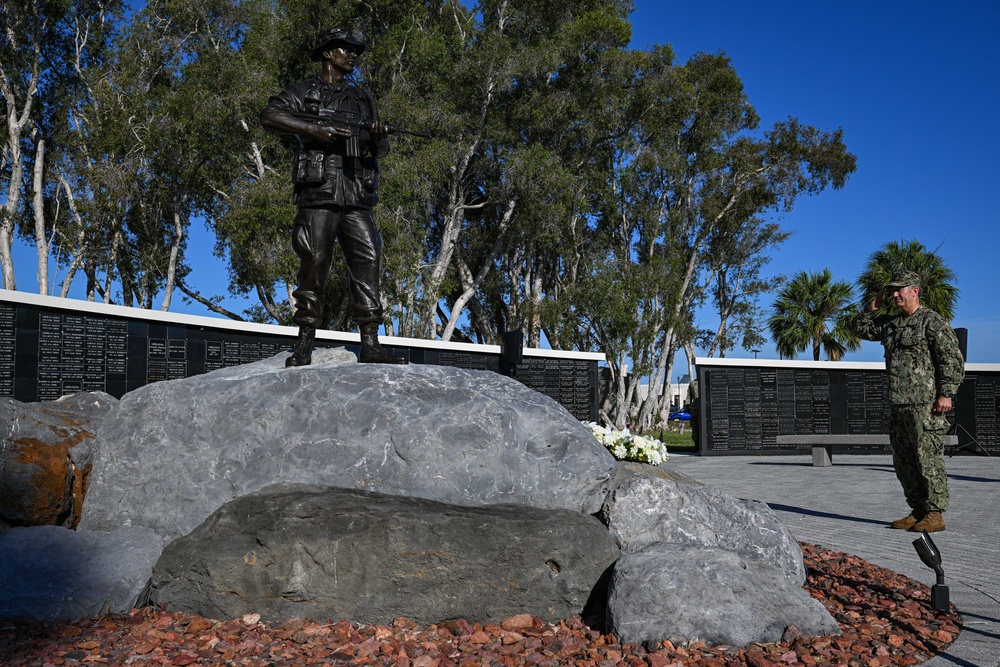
(369, 492)
(292, 551)
(699, 565)
(174, 452)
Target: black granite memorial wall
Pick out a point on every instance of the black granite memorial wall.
(50, 347)
(977, 412)
(755, 409)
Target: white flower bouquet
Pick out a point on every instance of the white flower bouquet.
(626, 446)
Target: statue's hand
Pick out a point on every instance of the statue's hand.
(328, 133)
(379, 130)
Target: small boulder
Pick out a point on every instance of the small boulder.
(719, 596)
(304, 551)
(649, 505)
(47, 457)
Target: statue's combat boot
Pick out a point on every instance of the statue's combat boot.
(372, 352)
(302, 354)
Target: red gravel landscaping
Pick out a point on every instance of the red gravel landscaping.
(885, 618)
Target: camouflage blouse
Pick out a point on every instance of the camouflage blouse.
(921, 354)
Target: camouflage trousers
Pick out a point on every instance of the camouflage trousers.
(917, 437)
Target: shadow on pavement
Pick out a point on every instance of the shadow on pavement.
(778, 507)
(968, 627)
(808, 464)
(966, 478)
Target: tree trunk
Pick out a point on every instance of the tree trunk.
(471, 285)
(618, 409)
(175, 248)
(128, 284)
(661, 374)
(268, 304)
(214, 307)
(41, 241)
(535, 325)
(12, 203)
(15, 128)
(689, 354)
(454, 219)
(81, 243)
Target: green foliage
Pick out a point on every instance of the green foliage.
(937, 290)
(45, 48)
(586, 193)
(814, 311)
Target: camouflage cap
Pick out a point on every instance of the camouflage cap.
(905, 279)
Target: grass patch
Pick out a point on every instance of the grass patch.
(675, 442)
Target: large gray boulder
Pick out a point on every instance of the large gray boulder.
(50, 572)
(700, 565)
(174, 452)
(46, 456)
(649, 506)
(303, 551)
(719, 596)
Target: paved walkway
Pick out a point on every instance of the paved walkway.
(847, 507)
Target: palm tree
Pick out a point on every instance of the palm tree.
(805, 307)
(937, 291)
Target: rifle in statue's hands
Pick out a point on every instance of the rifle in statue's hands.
(352, 122)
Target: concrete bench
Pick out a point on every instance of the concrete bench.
(822, 445)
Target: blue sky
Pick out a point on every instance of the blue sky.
(914, 86)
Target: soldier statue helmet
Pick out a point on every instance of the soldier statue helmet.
(333, 37)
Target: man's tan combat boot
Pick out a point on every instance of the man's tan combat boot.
(906, 522)
(932, 523)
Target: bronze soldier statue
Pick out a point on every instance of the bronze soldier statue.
(336, 181)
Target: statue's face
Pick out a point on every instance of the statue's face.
(344, 58)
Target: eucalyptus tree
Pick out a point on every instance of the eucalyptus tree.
(814, 311)
(733, 273)
(23, 41)
(517, 98)
(937, 290)
(43, 48)
(570, 104)
(129, 158)
(695, 175)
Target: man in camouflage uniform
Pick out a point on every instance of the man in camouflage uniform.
(925, 368)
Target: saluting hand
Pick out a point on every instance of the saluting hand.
(876, 303)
